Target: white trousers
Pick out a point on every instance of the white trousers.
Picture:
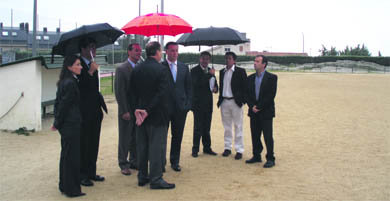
(232, 116)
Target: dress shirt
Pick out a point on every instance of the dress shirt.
(258, 80)
(173, 67)
(131, 63)
(227, 80)
(88, 62)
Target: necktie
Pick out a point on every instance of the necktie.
(173, 71)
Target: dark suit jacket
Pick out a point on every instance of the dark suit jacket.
(91, 99)
(149, 85)
(122, 87)
(238, 84)
(202, 96)
(266, 103)
(67, 103)
(180, 92)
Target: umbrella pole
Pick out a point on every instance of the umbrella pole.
(212, 58)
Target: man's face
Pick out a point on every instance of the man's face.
(204, 60)
(259, 66)
(86, 52)
(172, 52)
(229, 61)
(135, 53)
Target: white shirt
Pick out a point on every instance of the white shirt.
(227, 79)
(174, 65)
(86, 61)
(131, 63)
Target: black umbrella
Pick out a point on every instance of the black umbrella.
(103, 34)
(212, 36)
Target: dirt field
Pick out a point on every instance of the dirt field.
(332, 142)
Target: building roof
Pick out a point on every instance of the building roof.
(254, 53)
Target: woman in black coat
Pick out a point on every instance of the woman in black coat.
(68, 122)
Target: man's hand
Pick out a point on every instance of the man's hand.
(93, 67)
(140, 116)
(254, 109)
(215, 90)
(126, 116)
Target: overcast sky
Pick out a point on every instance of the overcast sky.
(277, 25)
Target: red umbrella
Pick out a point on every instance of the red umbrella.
(157, 24)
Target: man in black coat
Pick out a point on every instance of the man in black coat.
(204, 84)
(231, 99)
(91, 104)
(149, 84)
(261, 110)
(180, 92)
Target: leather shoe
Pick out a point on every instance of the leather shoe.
(143, 182)
(176, 167)
(226, 153)
(162, 185)
(126, 171)
(194, 154)
(75, 194)
(86, 182)
(269, 164)
(210, 152)
(254, 159)
(238, 156)
(133, 166)
(97, 178)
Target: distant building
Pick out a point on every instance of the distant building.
(239, 49)
(265, 53)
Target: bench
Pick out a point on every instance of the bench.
(44, 104)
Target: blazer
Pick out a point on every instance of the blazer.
(180, 93)
(91, 99)
(122, 87)
(67, 103)
(238, 84)
(149, 85)
(202, 99)
(266, 103)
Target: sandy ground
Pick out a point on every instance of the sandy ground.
(331, 143)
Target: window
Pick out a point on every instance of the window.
(45, 37)
(241, 48)
(14, 33)
(5, 33)
(38, 37)
(227, 49)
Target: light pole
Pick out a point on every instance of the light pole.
(303, 43)
(34, 42)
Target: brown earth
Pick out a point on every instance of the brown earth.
(331, 143)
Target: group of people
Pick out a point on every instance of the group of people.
(153, 96)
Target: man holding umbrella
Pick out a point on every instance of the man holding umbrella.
(91, 106)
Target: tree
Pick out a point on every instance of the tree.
(357, 51)
(326, 52)
(379, 54)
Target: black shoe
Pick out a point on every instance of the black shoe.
(162, 185)
(194, 154)
(226, 153)
(133, 166)
(254, 159)
(238, 156)
(75, 194)
(143, 182)
(269, 164)
(176, 167)
(97, 178)
(209, 152)
(86, 182)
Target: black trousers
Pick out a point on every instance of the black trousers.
(89, 144)
(127, 154)
(202, 124)
(259, 126)
(178, 121)
(149, 151)
(70, 159)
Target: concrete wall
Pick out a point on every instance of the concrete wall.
(16, 79)
(49, 85)
(239, 49)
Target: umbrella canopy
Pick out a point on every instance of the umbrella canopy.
(103, 34)
(212, 36)
(157, 24)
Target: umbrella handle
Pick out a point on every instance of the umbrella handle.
(92, 59)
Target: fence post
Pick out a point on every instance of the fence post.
(112, 82)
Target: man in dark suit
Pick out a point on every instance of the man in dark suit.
(260, 97)
(231, 99)
(149, 84)
(91, 104)
(180, 92)
(126, 119)
(204, 84)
